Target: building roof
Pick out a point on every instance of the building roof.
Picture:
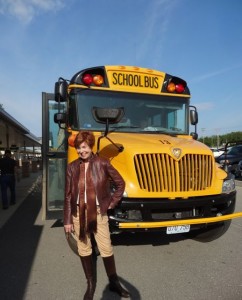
(11, 120)
(14, 134)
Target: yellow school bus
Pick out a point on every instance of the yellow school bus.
(141, 119)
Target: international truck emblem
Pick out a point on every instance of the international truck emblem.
(176, 152)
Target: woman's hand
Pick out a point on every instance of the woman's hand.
(69, 228)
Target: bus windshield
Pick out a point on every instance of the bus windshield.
(143, 112)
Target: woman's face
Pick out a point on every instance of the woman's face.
(84, 151)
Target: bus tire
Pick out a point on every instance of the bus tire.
(211, 233)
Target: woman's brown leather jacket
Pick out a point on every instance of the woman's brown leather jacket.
(102, 171)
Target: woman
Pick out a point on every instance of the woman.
(87, 199)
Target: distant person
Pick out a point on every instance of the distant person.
(7, 179)
(87, 199)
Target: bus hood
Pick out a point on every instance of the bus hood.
(151, 143)
(155, 165)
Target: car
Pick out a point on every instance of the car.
(238, 172)
(217, 152)
(231, 158)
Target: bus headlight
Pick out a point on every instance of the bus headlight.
(228, 186)
(125, 194)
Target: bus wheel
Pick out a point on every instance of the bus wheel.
(211, 233)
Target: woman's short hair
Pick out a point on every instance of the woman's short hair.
(84, 136)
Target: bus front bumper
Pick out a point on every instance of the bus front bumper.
(143, 225)
(158, 214)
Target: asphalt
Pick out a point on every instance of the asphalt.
(18, 236)
(35, 259)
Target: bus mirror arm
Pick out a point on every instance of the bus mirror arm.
(120, 148)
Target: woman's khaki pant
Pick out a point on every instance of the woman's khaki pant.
(102, 237)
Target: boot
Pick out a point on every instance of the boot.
(87, 264)
(114, 284)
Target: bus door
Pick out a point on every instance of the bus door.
(54, 157)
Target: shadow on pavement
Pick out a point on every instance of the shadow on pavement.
(134, 293)
(107, 294)
(19, 239)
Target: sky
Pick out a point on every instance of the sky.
(199, 41)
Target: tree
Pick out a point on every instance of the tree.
(223, 139)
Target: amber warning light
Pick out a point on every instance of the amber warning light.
(176, 85)
(71, 139)
(89, 79)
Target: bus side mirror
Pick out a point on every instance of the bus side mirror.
(194, 121)
(60, 118)
(194, 135)
(193, 117)
(107, 115)
(61, 88)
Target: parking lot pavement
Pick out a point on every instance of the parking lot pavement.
(19, 237)
(35, 255)
(238, 182)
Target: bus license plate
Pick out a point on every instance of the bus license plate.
(177, 229)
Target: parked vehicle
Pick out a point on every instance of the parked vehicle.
(231, 157)
(217, 151)
(238, 172)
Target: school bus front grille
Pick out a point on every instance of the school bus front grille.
(161, 173)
